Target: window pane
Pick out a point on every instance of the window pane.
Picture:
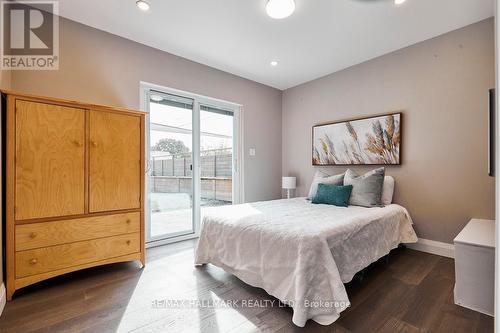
(171, 183)
(216, 156)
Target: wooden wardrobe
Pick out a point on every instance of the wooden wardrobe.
(74, 177)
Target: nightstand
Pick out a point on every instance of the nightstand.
(475, 266)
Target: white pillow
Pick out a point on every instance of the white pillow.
(321, 177)
(387, 190)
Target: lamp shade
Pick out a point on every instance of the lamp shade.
(289, 183)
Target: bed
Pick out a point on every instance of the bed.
(301, 253)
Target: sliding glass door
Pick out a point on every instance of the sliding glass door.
(216, 156)
(170, 166)
(193, 161)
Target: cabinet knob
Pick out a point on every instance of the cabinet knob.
(128, 242)
(128, 221)
(93, 143)
(33, 235)
(33, 261)
(77, 143)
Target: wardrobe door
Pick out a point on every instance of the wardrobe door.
(115, 161)
(49, 160)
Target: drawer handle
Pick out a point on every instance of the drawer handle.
(128, 242)
(33, 261)
(33, 235)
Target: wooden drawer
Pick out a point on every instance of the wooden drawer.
(52, 258)
(35, 235)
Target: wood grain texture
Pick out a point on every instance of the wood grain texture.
(70, 103)
(50, 158)
(86, 166)
(38, 132)
(29, 280)
(10, 194)
(143, 189)
(60, 218)
(119, 298)
(52, 258)
(32, 236)
(115, 161)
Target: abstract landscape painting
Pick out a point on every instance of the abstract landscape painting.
(375, 140)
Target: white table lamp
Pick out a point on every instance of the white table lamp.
(288, 184)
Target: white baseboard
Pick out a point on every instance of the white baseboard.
(3, 297)
(434, 247)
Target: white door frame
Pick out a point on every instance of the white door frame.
(237, 111)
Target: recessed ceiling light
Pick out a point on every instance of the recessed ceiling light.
(156, 98)
(274, 63)
(279, 9)
(143, 5)
(399, 2)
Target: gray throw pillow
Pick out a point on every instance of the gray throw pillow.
(321, 177)
(366, 189)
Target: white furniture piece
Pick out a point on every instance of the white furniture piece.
(288, 184)
(475, 266)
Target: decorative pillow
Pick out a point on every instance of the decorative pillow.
(321, 177)
(387, 190)
(366, 189)
(332, 195)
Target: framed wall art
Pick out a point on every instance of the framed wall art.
(366, 141)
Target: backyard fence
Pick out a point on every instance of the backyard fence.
(171, 174)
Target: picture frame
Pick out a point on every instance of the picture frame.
(372, 140)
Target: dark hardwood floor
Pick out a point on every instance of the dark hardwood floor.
(413, 292)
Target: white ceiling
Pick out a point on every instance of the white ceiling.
(236, 36)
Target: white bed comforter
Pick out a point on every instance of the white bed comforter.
(299, 252)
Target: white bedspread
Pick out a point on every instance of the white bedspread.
(299, 252)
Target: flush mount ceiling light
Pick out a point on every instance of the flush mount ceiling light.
(143, 5)
(399, 2)
(273, 63)
(279, 9)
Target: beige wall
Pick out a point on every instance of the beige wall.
(99, 67)
(441, 85)
(5, 79)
